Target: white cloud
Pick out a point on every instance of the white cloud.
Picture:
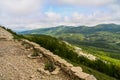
(115, 7)
(84, 2)
(28, 14)
(20, 6)
(95, 18)
(52, 16)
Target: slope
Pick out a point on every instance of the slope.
(15, 64)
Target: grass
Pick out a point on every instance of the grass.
(111, 60)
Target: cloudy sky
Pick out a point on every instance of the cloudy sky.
(30, 14)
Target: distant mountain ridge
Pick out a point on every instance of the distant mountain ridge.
(72, 29)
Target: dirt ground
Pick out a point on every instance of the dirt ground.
(15, 65)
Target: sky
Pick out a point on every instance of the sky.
(20, 15)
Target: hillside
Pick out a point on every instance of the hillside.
(21, 59)
(88, 37)
(101, 40)
(92, 37)
(15, 65)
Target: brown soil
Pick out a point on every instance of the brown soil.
(15, 65)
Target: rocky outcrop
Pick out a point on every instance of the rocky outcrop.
(75, 73)
(5, 35)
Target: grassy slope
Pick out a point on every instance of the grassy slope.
(101, 54)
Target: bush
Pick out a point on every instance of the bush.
(50, 66)
(35, 53)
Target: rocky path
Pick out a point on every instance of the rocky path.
(15, 65)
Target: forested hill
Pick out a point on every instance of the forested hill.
(73, 29)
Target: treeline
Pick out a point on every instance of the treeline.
(60, 48)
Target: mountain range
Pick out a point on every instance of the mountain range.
(73, 29)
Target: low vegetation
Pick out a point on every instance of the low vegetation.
(50, 66)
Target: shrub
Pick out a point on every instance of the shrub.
(50, 66)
